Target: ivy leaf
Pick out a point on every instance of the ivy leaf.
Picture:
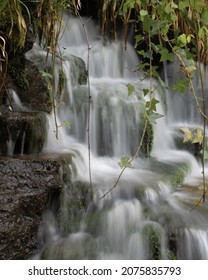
(139, 38)
(166, 55)
(152, 104)
(153, 116)
(188, 135)
(143, 13)
(191, 69)
(202, 32)
(168, 8)
(182, 40)
(199, 137)
(189, 38)
(181, 86)
(163, 84)
(153, 72)
(145, 91)
(182, 5)
(67, 124)
(197, 5)
(125, 162)
(131, 89)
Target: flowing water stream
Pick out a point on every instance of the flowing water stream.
(147, 216)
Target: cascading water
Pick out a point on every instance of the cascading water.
(147, 215)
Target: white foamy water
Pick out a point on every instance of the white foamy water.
(146, 216)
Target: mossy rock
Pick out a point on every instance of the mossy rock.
(75, 200)
(25, 131)
(193, 148)
(18, 71)
(75, 247)
(153, 240)
(29, 84)
(175, 172)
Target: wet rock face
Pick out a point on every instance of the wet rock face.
(26, 186)
(29, 84)
(22, 133)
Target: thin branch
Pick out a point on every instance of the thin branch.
(145, 125)
(204, 131)
(84, 24)
(200, 200)
(189, 78)
(132, 159)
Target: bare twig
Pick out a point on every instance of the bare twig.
(84, 25)
(144, 129)
(131, 160)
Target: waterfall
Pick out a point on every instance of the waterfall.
(147, 215)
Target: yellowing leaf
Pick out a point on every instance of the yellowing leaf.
(191, 69)
(125, 162)
(197, 202)
(188, 135)
(199, 137)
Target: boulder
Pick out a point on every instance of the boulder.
(27, 185)
(28, 82)
(22, 133)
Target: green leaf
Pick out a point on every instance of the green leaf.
(174, 17)
(145, 91)
(151, 105)
(168, 8)
(147, 54)
(182, 5)
(139, 38)
(131, 89)
(182, 39)
(125, 162)
(166, 55)
(143, 13)
(153, 116)
(181, 85)
(153, 72)
(67, 124)
(197, 5)
(188, 38)
(163, 84)
(148, 23)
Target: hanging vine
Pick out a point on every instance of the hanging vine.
(168, 29)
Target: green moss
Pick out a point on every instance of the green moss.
(179, 174)
(171, 255)
(148, 137)
(175, 172)
(148, 140)
(75, 199)
(68, 248)
(18, 71)
(152, 237)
